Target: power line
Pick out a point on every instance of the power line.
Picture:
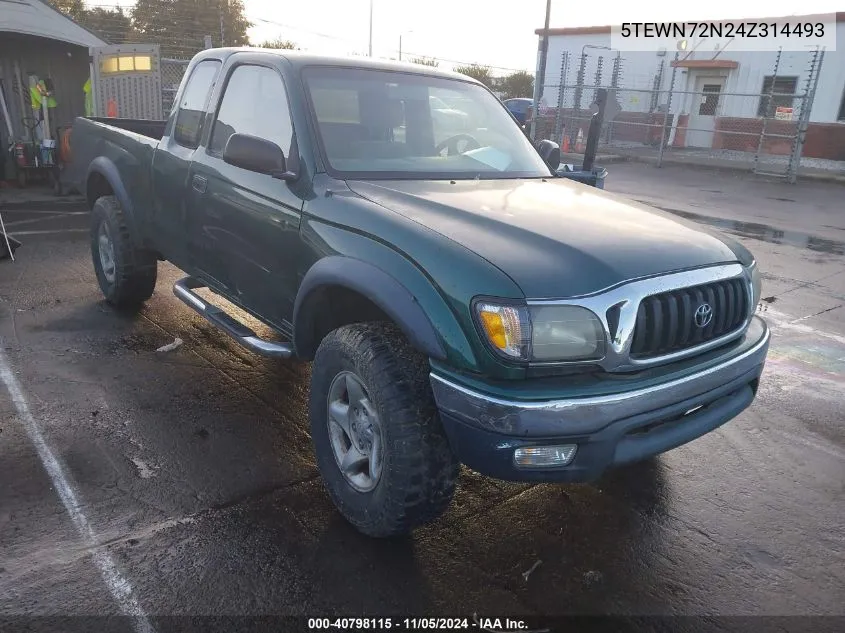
(179, 41)
(391, 50)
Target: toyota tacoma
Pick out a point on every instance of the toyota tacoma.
(459, 301)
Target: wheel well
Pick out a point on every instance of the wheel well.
(97, 187)
(328, 308)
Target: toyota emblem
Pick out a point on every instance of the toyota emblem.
(703, 315)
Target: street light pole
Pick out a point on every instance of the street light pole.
(371, 28)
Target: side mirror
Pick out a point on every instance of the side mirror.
(258, 155)
(550, 153)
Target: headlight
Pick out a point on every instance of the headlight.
(542, 333)
(565, 333)
(756, 287)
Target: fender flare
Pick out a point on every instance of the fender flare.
(379, 287)
(108, 170)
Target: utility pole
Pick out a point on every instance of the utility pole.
(400, 42)
(222, 42)
(371, 28)
(539, 80)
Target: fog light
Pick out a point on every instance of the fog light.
(544, 456)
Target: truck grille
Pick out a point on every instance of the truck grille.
(672, 321)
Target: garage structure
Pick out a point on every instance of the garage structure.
(36, 39)
(742, 101)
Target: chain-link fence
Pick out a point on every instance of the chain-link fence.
(682, 114)
(172, 71)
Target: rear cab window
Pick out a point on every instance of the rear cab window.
(190, 118)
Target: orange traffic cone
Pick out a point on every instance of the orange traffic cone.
(111, 109)
(579, 141)
(565, 143)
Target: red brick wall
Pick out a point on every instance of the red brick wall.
(680, 139)
(743, 134)
(641, 127)
(825, 140)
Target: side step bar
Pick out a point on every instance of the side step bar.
(184, 289)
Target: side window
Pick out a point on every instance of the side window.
(255, 102)
(191, 115)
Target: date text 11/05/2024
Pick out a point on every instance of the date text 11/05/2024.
(497, 625)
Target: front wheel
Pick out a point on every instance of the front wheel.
(380, 446)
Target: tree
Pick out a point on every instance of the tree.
(477, 72)
(518, 84)
(280, 44)
(74, 9)
(180, 26)
(111, 25)
(114, 26)
(425, 61)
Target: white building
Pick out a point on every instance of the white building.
(717, 100)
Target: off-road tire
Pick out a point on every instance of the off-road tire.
(419, 470)
(135, 269)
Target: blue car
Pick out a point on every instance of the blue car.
(520, 108)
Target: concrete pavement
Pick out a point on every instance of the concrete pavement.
(193, 469)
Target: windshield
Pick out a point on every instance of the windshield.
(382, 124)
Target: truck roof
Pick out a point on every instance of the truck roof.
(301, 59)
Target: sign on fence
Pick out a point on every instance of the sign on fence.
(783, 114)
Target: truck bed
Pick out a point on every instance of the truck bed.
(144, 127)
(122, 146)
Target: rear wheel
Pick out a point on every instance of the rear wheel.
(126, 274)
(380, 446)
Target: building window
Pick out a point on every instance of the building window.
(709, 99)
(782, 89)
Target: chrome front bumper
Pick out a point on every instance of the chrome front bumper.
(573, 416)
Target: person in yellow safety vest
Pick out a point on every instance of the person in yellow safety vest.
(37, 93)
(89, 98)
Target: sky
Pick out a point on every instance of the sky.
(493, 32)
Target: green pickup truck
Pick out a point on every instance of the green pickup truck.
(460, 302)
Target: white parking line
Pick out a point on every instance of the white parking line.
(43, 218)
(50, 212)
(778, 319)
(119, 586)
(49, 231)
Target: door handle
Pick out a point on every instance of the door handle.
(199, 183)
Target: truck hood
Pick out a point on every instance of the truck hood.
(554, 238)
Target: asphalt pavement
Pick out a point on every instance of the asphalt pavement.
(182, 483)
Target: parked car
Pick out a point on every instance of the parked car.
(458, 301)
(520, 108)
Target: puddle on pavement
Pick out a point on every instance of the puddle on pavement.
(763, 232)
